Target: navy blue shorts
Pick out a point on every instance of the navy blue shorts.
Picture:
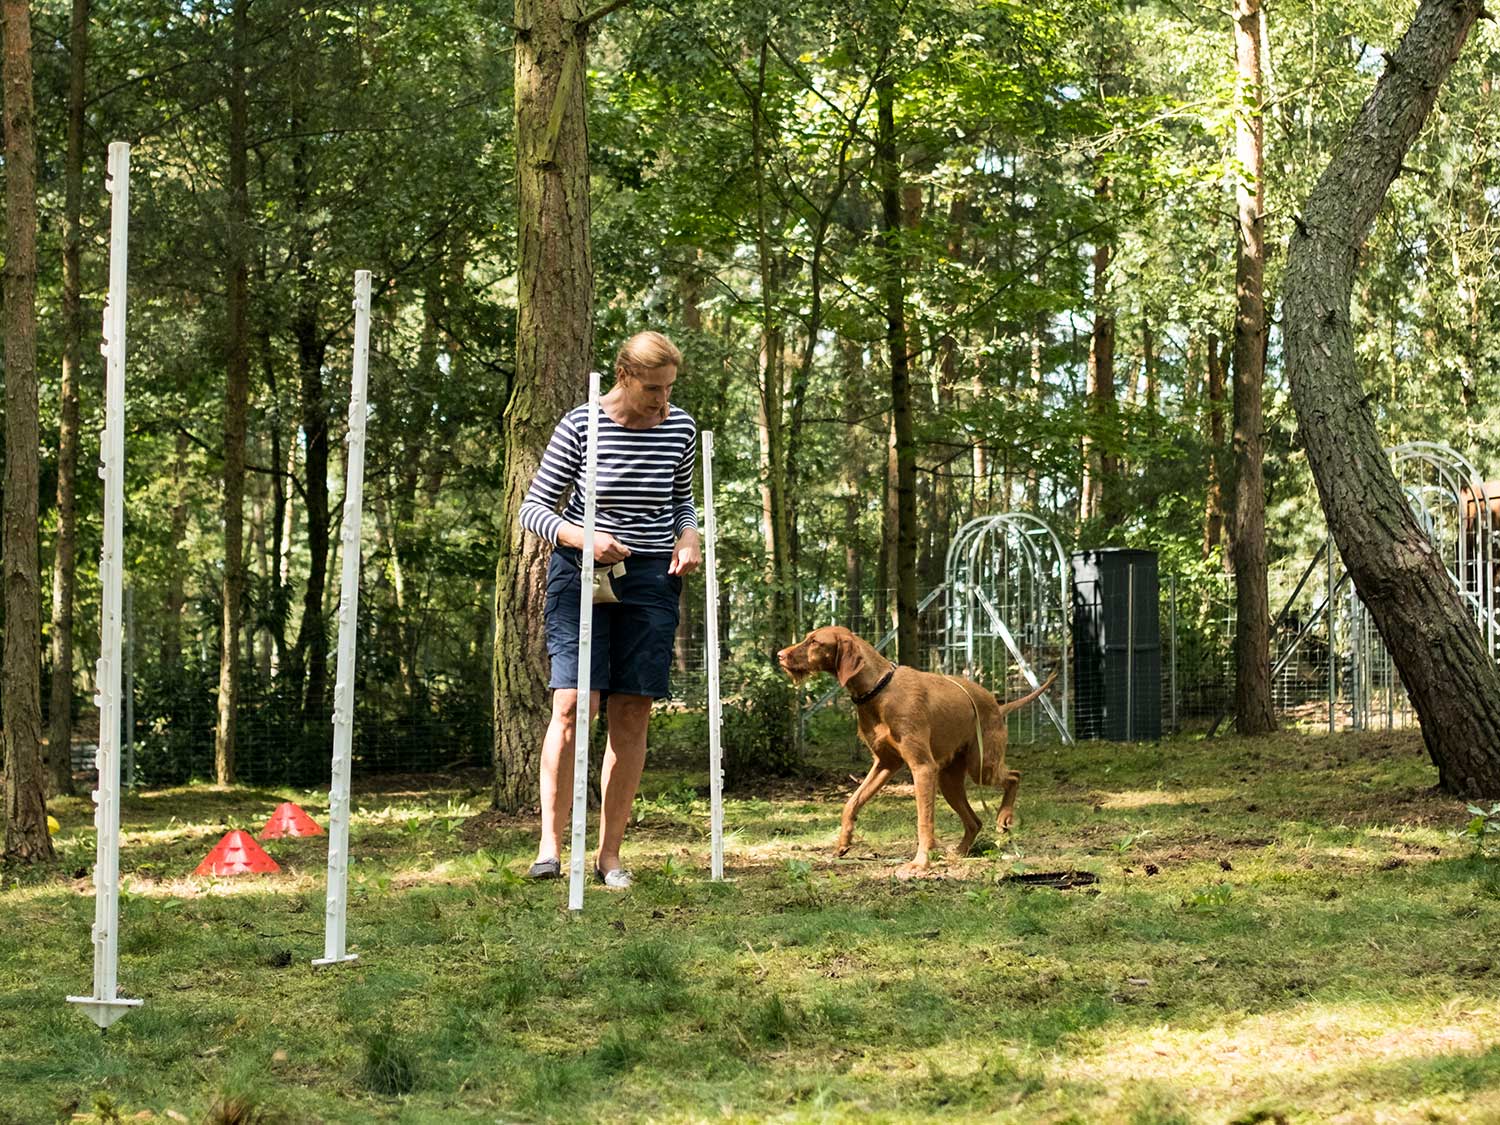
(633, 640)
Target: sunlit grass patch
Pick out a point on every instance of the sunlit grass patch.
(1141, 798)
(1262, 940)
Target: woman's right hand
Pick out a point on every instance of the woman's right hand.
(607, 549)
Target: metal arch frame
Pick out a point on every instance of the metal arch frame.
(1457, 475)
(964, 562)
(1451, 481)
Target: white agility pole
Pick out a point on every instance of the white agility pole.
(336, 911)
(711, 658)
(104, 1006)
(585, 653)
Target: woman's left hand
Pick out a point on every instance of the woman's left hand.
(686, 557)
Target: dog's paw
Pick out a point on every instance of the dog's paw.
(914, 871)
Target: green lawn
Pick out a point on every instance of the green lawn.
(1283, 930)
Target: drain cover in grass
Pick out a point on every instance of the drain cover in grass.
(1060, 880)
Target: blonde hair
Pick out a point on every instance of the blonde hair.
(646, 351)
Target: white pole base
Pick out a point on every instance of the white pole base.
(104, 1012)
(335, 960)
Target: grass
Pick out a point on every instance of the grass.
(1287, 930)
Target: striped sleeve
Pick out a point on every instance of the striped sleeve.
(554, 476)
(684, 513)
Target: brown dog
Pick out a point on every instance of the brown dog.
(929, 723)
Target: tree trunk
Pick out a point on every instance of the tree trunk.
(279, 485)
(26, 838)
(310, 657)
(310, 654)
(978, 489)
(236, 398)
(889, 174)
(64, 555)
(689, 288)
(1213, 516)
(283, 516)
(941, 523)
(171, 630)
(1099, 466)
(259, 647)
(853, 484)
(1148, 372)
(1452, 680)
(554, 350)
(885, 581)
(774, 481)
(1254, 709)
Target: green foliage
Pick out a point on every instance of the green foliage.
(776, 1021)
(759, 727)
(515, 986)
(1209, 900)
(733, 201)
(390, 1064)
(618, 1052)
(1482, 828)
(649, 962)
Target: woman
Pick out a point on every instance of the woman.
(645, 519)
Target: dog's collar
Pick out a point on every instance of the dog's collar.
(861, 700)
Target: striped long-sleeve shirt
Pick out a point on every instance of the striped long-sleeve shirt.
(644, 487)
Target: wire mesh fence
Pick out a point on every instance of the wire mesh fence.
(440, 720)
(426, 707)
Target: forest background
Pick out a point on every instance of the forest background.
(925, 261)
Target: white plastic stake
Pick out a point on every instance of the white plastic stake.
(585, 653)
(336, 912)
(104, 1006)
(711, 657)
(129, 687)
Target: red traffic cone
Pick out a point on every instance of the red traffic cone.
(237, 854)
(289, 820)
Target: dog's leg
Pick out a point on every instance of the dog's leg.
(879, 774)
(924, 773)
(1007, 815)
(952, 782)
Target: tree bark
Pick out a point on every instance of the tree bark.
(171, 630)
(889, 173)
(554, 349)
(1148, 371)
(26, 838)
(1255, 712)
(236, 397)
(885, 574)
(853, 483)
(1451, 679)
(310, 653)
(65, 551)
(1213, 516)
(1099, 465)
(772, 385)
(689, 289)
(279, 483)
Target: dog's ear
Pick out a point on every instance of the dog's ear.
(850, 660)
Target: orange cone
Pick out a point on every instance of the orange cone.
(237, 854)
(289, 820)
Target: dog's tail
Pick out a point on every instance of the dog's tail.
(1012, 704)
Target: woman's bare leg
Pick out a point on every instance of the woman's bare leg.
(557, 769)
(624, 759)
